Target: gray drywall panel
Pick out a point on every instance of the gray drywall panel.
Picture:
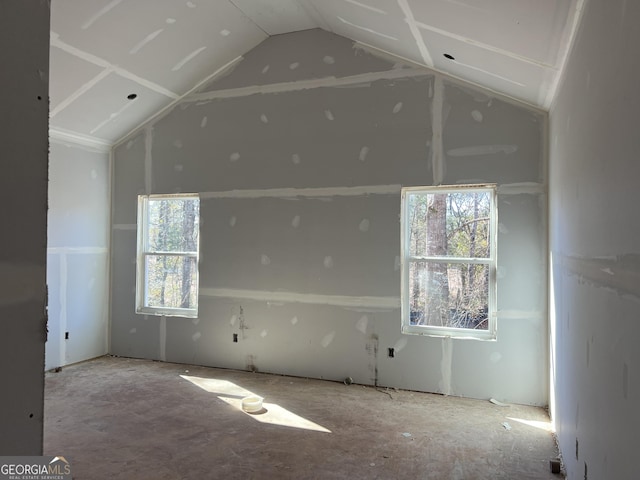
(302, 245)
(78, 226)
(78, 197)
(24, 56)
(298, 56)
(594, 242)
(129, 170)
(266, 254)
(488, 139)
(313, 138)
(86, 306)
(521, 255)
(294, 339)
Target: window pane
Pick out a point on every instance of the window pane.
(173, 225)
(449, 224)
(449, 295)
(171, 281)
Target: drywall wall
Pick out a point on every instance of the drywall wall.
(595, 245)
(24, 56)
(77, 257)
(299, 153)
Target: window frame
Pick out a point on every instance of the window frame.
(143, 252)
(406, 259)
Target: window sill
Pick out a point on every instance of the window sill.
(459, 334)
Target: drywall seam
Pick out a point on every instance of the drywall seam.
(163, 338)
(366, 29)
(522, 188)
(449, 77)
(484, 46)
(306, 192)
(415, 31)
(437, 149)
(445, 366)
(100, 13)
(169, 108)
(391, 57)
(77, 250)
(621, 275)
(108, 308)
(111, 117)
(82, 90)
(124, 226)
(64, 275)
(56, 42)
(148, 142)
(390, 303)
(94, 144)
(327, 82)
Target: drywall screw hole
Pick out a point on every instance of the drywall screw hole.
(132, 96)
(31, 415)
(39, 97)
(450, 57)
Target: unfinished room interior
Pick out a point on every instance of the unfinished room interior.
(321, 238)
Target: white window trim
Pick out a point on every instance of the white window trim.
(142, 252)
(436, 331)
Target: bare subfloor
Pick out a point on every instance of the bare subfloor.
(120, 418)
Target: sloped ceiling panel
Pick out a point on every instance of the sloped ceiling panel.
(160, 50)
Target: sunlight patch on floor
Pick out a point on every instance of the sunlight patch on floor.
(547, 426)
(271, 413)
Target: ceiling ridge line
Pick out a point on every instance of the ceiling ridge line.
(415, 32)
(89, 57)
(482, 45)
(244, 14)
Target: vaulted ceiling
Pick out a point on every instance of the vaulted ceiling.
(105, 51)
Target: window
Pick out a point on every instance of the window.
(449, 261)
(167, 273)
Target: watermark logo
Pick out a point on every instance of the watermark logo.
(35, 468)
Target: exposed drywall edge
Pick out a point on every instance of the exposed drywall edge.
(306, 192)
(94, 144)
(168, 108)
(390, 303)
(362, 78)
(580, 6)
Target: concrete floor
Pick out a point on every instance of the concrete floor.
(122, 418)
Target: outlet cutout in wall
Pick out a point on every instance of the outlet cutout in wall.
(235, 338)
(392, 352)
(66, 335)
